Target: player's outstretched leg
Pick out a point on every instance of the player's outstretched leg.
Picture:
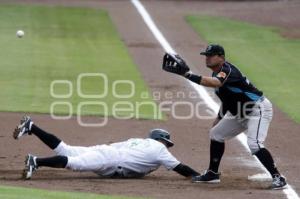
(258, 126)
(27, 127)
(265, 157)
(32, 163)
(90, 161)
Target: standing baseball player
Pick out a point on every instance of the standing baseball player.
(133, 158)
(243, 108)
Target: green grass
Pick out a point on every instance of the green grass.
(269, 60)
(59, 44)
(7, 192)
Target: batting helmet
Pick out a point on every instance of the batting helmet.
(161, 134)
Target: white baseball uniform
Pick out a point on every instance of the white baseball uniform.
(135, 157)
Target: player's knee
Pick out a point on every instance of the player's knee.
(254, 145)
(215, 136)
(75, 164)
(62, 149)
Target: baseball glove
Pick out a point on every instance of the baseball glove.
(174, 64)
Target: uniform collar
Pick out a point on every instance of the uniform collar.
(222, 67)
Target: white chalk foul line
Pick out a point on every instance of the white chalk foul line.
(289, 191)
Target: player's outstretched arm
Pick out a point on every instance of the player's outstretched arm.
(203, 80)
(175, 64)
(185, 170)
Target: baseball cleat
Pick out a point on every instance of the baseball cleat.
(24, 127)
(208, 177)
(30, 166)
(278, 183)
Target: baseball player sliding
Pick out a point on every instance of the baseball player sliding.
(133, 158)
(243, 108)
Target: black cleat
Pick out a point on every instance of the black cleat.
(278, 183)
(208, 177)
(24, 127)
(30, 166)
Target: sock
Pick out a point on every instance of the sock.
(49, 139)
(266, 159)
(55, 161)
(216, 152)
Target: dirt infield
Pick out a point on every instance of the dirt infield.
(190, 136)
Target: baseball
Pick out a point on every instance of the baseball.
(20, 33)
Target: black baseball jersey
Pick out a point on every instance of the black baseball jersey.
(237, 94)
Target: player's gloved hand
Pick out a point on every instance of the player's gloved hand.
(175, 64)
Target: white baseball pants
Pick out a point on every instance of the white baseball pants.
(101, 159)
(255, 126)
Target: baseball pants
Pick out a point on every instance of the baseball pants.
(101, 159)
(255, 126)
